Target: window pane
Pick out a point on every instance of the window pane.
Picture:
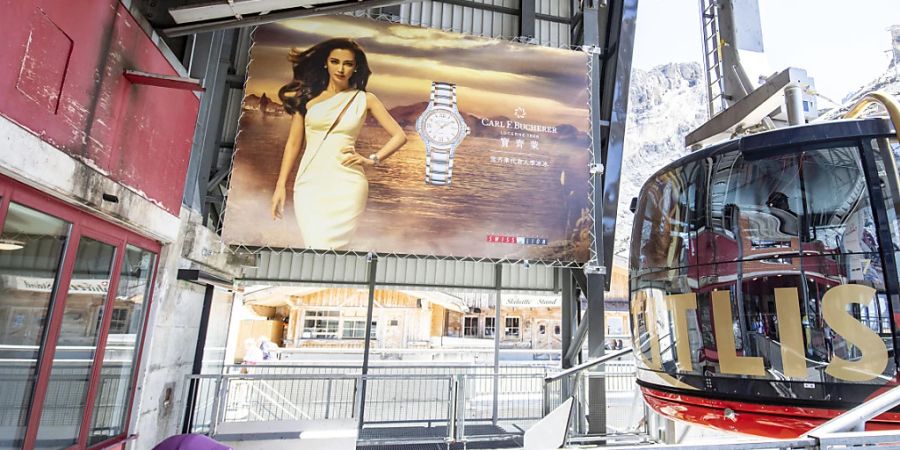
(856, 269)
(114, 390)
(888, 177)
(762, 208)
(669, 214)
(70, 374)
(354, 329)
(30, 253)
(512, 327)
(488, 327)
(470, 327)
(322, 325)
(837, 202)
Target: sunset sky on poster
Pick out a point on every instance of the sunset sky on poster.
(404, 59)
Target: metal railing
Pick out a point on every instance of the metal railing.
(65, 396)
(618, 377)
(437, 404)
(387, 369)
(403, 404)
(855, 419)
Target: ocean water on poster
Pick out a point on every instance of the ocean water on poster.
(406, 215)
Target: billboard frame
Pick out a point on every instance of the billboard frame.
(594, 168)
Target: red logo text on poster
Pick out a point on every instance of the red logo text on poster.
(521, 240)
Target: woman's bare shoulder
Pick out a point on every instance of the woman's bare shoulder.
(371, 98)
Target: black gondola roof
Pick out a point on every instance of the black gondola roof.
(801, 135)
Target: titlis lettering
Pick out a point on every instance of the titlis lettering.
(787, 308)
(513, 125)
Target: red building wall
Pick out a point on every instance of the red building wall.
(61, 77)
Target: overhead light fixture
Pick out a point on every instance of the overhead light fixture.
(11, 244)
(203, 278)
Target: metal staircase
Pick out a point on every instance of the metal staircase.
(712, 57)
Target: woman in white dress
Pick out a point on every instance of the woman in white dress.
(328, 102)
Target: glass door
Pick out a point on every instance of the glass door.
(120, 358)
(79, 330)
(31, 250)
(74, 295)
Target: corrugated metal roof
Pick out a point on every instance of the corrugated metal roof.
(287, 267)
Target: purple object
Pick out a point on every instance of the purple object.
(190, 442)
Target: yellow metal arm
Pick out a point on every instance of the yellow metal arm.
(886, 100)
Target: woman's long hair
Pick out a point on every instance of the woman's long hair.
(311, 76)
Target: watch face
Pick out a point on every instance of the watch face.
(442, 127)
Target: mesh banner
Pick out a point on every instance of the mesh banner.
(361, 135)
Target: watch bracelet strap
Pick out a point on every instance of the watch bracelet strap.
(438, 167)
(443, 94)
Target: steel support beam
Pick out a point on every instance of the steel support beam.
(284, 14)
(580, 280)
(578, 337)
(498, 302)
(163, 81)
(209, 281)
(209, 62)
(373, 267)
(576, 32)
(580, 323)
(609, 28)
(567, 319)
(596, 349)
(750, 110)
(527, 19)
(393, 10)
(614, 87)
(740, 30)
(198, 358)
(506, 10)
(596, 26)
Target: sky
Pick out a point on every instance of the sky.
(841, 44)
(490, 74)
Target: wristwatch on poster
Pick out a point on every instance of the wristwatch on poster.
(442, 129)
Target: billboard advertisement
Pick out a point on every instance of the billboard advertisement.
(364, 135)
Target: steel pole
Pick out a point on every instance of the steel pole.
(565, 275)
(373, 266)
(197, 368)
(793, 99)
(498, 284)
(857, 417)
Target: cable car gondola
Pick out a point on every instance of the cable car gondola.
(764, 283)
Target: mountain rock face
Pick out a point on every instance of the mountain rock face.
(668, 102)
(888, 82)
(665, 104)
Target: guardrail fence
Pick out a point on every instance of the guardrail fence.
(403, 404)
(458, 404)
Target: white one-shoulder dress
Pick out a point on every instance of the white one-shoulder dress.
(328, 197)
